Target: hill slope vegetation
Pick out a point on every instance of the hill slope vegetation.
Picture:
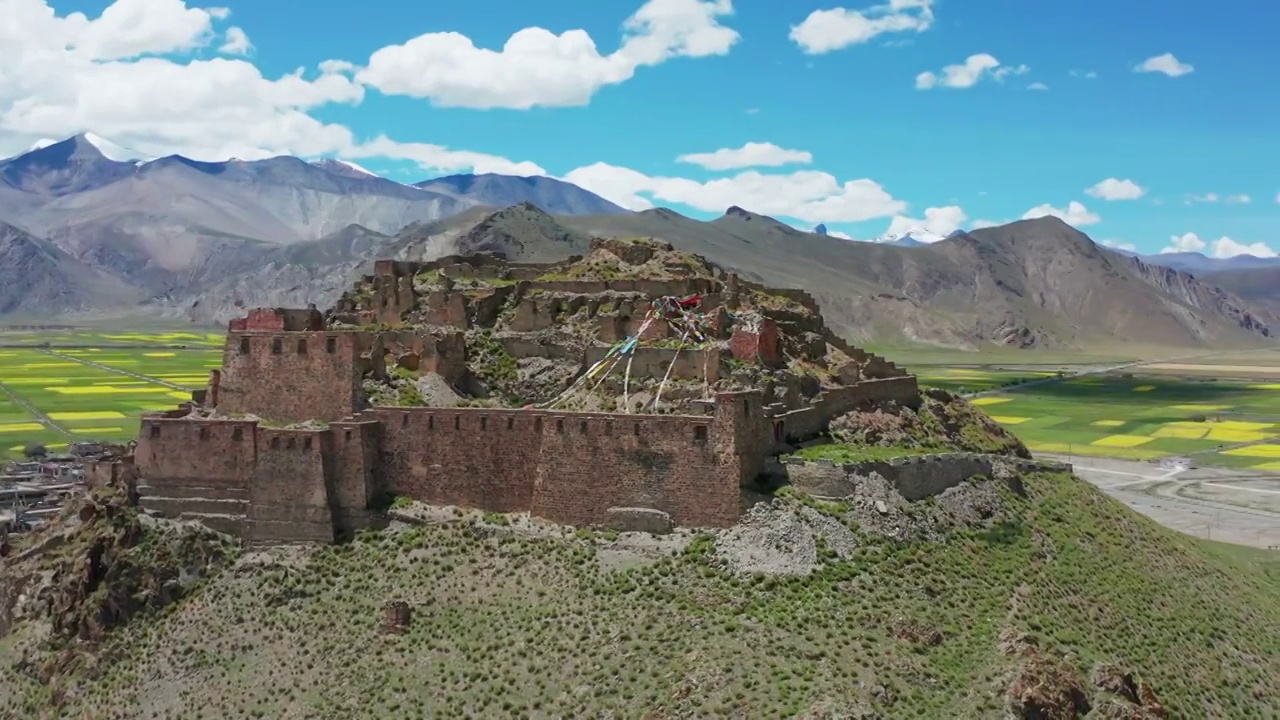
(1052, 602)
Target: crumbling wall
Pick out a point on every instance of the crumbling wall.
(701, 364)
(915, 477)
(279, 320)
(289, 497)
(757, 342)
(290, 376)
(809, 422)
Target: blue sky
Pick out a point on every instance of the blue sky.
(1195, 143)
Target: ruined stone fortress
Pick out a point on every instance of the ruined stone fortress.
(285, 445)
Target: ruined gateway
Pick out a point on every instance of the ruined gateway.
(305, 431)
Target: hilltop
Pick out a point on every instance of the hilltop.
(1054, 602)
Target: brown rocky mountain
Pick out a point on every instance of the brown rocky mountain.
(1034, 283)
(37, 275)
(1259, 286)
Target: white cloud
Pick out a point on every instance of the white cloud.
(1187, 242)
(128, 75)
(1075, 214)
(824, 31)
(537, 67)
(752, 154)
(967, 74)
(1166, 63)
(1120, 245)
(806, 195)
(237, 42)
(1083, 74)
(937, 220)
(1037, 86)
(1115, 189)
(1213, 197)
(1223, 247)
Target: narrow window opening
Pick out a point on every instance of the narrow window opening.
(275, 443)
(559, 425)
(291, 444)
(306, 444)
(302, 347)
(484, 423)
(346, 436)
(237, 434)
(608, 427)
(244, 346)
(404, 420)
(511, 423)
(700, 433)
(431, 422)
(277, 346)
(155, 431)
(582, 427)
(331, 345)
(636, 429)
(457, 422)
(537, 425)
(204, 433)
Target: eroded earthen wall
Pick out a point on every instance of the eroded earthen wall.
(289, 489)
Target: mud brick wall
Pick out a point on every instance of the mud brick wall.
(289, 498)
(357, 453)
(279, 319)
(702, 364)
(809, 422)
(676, 464)
(179, 453)
(290, 376)
(460, 456)
(761, 346)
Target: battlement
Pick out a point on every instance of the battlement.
(278, 319)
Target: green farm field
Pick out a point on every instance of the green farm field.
(84, 393)
(1230, 423)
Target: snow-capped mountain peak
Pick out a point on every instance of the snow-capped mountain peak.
(911, 238)
(342, 167)
(111, 150)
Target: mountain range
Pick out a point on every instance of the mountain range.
(86, 227)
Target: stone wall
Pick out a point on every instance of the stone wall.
(289, 496)
(807, 423)
(701, 364)
(570, 467)
(291, 376)
(915, 477)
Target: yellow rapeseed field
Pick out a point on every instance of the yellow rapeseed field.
(1182, 432)
(1108, 423)
(1144, 388)
(1122, 441)
(108, 390)
(1008, 420)
(1237, 436)
(87, 415)
(1262, 451)
(20, 427)
(989, 400)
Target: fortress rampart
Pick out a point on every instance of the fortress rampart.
(284, 445)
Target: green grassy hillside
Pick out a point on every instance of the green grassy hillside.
(1040, 603)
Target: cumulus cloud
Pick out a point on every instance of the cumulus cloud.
(130, 75)
(237, 42)
(536, 67)
(805, 195)
(1166, 63)
(968, 73)
(1075, 214)
(1037, 86)
(752, 154)
(1223, 247)
(937, 220)
(824, 31)
(1115, 189)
